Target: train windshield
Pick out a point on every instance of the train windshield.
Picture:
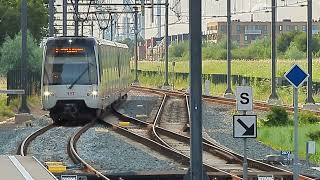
(70, 62)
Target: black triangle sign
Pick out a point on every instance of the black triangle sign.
(249, 130)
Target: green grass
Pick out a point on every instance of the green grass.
(261, 91)
(250, 68)
(9, 111)
(281, 138)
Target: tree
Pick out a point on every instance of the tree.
(294, 53)
(284, 41)
(10, 18)
(300, 40)
(11, 54)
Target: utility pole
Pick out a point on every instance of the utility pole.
(111, 27)
(51, 18)
(24, 13)
(136, 81)
(166, 83)
(309, 99)
(196, 170)
(273, 98)
(92, 25)
(64, 17)
(76, 18)
(228, 91)
(159, 19)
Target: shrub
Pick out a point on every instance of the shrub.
(294, 53)
(306, 117)
(179, 49)
(277, 116)
(11, 54)
(314, 136)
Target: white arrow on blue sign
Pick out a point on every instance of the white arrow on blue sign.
(296, 76)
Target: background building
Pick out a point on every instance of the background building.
(246, 32)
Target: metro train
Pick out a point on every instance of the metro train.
(83, 75)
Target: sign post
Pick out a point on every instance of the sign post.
(244, 126)
(296, 76)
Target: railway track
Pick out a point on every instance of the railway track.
(71, 148)
(257, 105)
(23, 148)
(72, 151)
(228, 161)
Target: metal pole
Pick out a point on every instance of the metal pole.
(166, 83)
(159, 19)
(229, 90)
(51, 18)
(92, 26)
(245, 161)
(274, 95)
(76, 18)
(136, 44)
(295, 160)
(64, 17)
(111, 28)
(195, 32)
(82, 22)
(309, 54)
(24, 12)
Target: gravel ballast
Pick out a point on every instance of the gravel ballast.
(52, 145)
(13, 134)
(110, 152)
(218, 124)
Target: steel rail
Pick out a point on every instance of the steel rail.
(155, 130)
(23, 148)
(258, 105)
(74, 154)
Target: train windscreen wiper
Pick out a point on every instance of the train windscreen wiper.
(79, 77)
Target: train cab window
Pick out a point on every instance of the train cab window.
(70, 62)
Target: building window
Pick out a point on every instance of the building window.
(296, 28)
(238, 28)
(222, 28)
(265, 28)
(280, 28)
(304, 28)
(246, 38)
(288, 28)
(314, 27)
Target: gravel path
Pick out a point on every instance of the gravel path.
(114, 153)
(12, 135)
(52, 145)
(217, 123)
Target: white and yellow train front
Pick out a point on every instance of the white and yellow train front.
(70, 77)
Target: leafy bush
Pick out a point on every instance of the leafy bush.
(314, 136)
(306, 117)
(11, 54)
(294, 53)
(277, 116)
(179, 49)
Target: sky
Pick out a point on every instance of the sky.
(241, 9)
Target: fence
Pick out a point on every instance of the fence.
(14, 82)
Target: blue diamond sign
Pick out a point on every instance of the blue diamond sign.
(296, 76)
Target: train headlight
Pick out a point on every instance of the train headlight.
(47, 93)
(93, 93)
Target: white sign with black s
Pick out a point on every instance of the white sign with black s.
(244, 98)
